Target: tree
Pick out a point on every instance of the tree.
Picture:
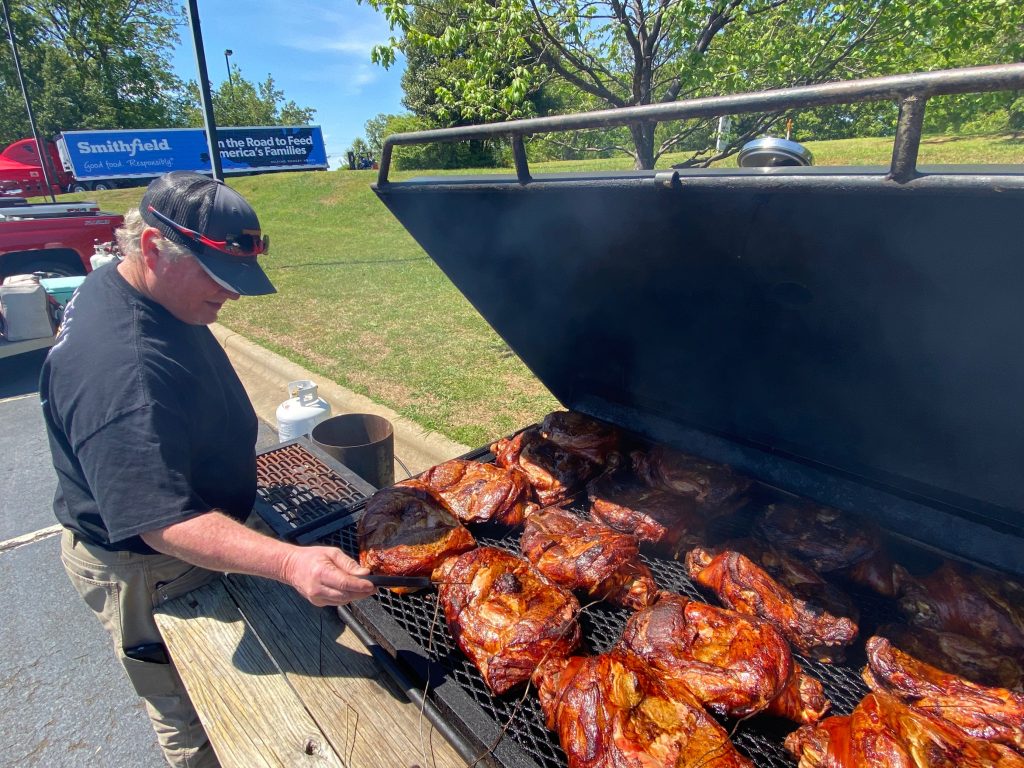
(995, 32)
(97, 64)
(362, 156)
(377, 130)
(360, 148)
(617, 53)
(424, 81)
(473, 154)
(106, 64)
(238, 101)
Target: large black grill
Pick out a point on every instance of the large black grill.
(848, 335)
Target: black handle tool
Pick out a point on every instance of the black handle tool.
(414, 582)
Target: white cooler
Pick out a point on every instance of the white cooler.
(24, 311)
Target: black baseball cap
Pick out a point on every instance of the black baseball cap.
(215, 223)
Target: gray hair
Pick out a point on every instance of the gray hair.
(129, 239)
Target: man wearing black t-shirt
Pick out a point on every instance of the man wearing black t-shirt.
(153, 438)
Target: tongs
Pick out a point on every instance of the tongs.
(412, 582)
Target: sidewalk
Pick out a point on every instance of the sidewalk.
(265, 376)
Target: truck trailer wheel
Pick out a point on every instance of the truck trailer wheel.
(100, 186)
(79, 186)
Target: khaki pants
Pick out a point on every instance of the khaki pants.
(122, 589)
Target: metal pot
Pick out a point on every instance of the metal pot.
(771, 152)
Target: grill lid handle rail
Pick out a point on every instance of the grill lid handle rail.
(910, 91)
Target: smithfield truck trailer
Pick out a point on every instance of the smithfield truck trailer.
(88, 160)
(107, 159)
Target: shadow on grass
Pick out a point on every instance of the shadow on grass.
(997, 138)
(343, 263)
(503, 350)
(947, 139)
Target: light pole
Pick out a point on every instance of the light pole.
(204, 89)
(231, 84)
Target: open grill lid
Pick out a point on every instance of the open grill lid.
(852, 336)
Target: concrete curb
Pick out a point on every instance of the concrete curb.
(266, 376)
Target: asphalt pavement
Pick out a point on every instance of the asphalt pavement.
(65, 699)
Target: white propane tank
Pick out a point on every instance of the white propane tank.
(103, 253)
(302, 411)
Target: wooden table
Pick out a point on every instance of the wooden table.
(11, 348)
(279, 682)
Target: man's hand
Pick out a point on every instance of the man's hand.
(322, 575)
(326, 576)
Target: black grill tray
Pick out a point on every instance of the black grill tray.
(412, 630)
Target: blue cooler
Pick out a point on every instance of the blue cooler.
(61, 288)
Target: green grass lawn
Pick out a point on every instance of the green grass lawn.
(360, 303)
(871, 151)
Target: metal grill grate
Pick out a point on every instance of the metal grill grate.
(299, 488)
(423, 628)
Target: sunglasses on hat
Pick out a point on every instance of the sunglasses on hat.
(244, 244)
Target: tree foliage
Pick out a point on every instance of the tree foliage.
(360, 148)
(424, 81)
(470, 154)
(616, 53)
(96, 64)
(238, 101)
(980, 33)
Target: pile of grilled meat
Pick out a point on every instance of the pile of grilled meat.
(946, 686)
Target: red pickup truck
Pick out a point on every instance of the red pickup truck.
(58, 239)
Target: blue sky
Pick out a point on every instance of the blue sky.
(318, 53)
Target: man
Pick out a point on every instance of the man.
(153, 436)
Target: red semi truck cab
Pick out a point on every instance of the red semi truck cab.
(20, 172)
(58, 239)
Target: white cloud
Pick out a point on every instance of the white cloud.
(350, 30)
(344, 79)
(365, 74)
(358, 46)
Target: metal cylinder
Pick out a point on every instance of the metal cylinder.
(363, 442)
(769, 152)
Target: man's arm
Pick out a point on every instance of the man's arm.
(322, 575)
